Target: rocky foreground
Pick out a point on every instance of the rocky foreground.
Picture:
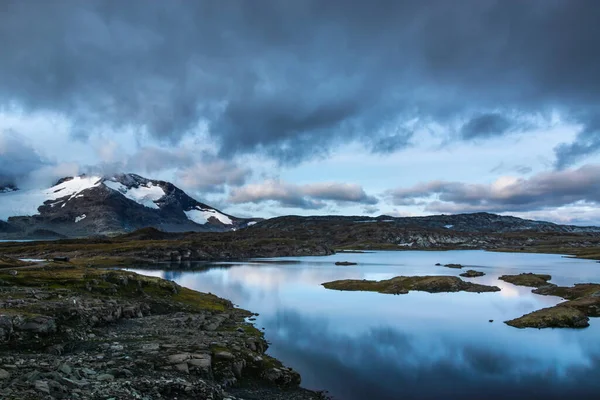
(583, 301)
(149, 245)
(70, 332)
(404, 284)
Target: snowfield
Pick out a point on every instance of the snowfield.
(27, 202)
(201, 216)
(144, 195)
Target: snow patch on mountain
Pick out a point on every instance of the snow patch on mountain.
(201, 216)
(80, 218)
(146, 195)
(27, 202)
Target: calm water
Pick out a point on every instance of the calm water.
(428, 346)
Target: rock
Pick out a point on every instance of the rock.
(345, 263)
(183, 367)
(237, 368)
(6, 327)
(105, 378)
(12, 272)
(178, 358)
(65, 369)
(224, 355)
(88, 372)
(76, 384)
(42, 386)
(39, 325)
(438, 264)
(491, 320)
(456, 266)
(552, 317)
(200, 363)
(4, 375)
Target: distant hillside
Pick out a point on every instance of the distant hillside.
(479, 230)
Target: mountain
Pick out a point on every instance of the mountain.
(95, 205)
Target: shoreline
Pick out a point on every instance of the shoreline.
(99, 333)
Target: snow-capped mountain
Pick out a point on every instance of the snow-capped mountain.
(96, 205)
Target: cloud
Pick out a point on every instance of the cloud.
(370, 209)
(486, 125)
(587, 142)
(309, 196)
(18, 159)
(520, 169)
(293, 80)
(541, 191)
(213, 176)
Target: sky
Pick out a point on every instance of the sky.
(265, 108)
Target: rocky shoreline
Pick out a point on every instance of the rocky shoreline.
(583, 302)
(70, 332)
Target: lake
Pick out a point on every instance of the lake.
(362, 345)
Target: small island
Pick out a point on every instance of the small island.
(527, 279)
(404, 284)
(455, 266)
(472, 274)
(345, 263)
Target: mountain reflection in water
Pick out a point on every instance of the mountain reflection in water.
(360, 345)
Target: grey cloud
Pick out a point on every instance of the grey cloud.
(541, 191)
(292, 79)
(18, 159)
(310, 196)
(371, 209)
(213, 176)
(198, 171)
(486, 125)
(154, 159)
(586, 143)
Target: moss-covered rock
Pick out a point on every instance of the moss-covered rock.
(472, 274)
(455, 266)
(527, 279)
(552, 317)
(404, 284)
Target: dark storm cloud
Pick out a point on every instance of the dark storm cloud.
(544, 190)
(485, 125)
(292, 79)
(310, 196)
(18, 159)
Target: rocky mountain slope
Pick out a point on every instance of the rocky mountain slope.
(469, 231)
(94, 205)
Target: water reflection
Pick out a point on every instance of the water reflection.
(360, 345)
